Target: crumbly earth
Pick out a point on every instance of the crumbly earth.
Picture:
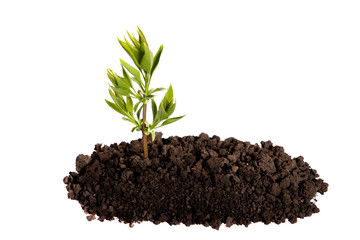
(194, 180)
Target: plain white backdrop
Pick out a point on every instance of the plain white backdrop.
(286, 71)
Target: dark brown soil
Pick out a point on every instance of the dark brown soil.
(195, 180)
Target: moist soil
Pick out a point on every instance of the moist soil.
(194, 180)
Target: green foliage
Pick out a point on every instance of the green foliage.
(122, 90)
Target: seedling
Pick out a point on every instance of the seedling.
(122, 90)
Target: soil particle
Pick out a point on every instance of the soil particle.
(275, 189)
(285, 182)
(267, 164)
(81, 161)
(194, 180)
(234, 168)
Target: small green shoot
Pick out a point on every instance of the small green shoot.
(132, 103)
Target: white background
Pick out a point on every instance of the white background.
(287, 71)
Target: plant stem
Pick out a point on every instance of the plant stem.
(143, 132)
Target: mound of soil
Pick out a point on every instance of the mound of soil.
(194, 180)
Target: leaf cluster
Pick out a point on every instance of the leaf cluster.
(122, 89)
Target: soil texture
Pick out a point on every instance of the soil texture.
(194, 180)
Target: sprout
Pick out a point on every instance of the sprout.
(123, 93)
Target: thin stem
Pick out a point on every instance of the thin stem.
(149, 77)
(143, 132)
(142, 74)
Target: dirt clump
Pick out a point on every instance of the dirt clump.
(194, 180)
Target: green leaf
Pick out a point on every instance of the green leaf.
(167, 100)
(129, 105)
(134, 41)
(121, 91)
(130, 120)
(129, 52)
(131, 69)
(162, 113)
(134, 50)
(126, 76)
(139, 111)
(169, 95)
(142, 38)
(122, 82)
(146, 131)
(156, 59)
(133, 129)
(153, 135)
(136, 106)
(126, 79)
(170, 120)
(120, 103)
(151, 91)
(117, 101)
(147, 59)
(171, 108)
(111, 76)
(148, 97)
(113, 106)
(119, 96)
(154, 109)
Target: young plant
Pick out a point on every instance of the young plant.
(124, 94)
